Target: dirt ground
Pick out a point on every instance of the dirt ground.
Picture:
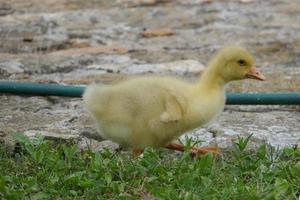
(79, 42)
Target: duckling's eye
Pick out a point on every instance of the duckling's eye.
(241, 62)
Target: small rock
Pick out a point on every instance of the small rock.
(11, 67)
(157, 33)
(50, 135)
(6, 9)
(96, 146)
(92, 134)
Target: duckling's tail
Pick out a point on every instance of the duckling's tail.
(92, 98)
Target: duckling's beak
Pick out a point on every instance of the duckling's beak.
(255, 74)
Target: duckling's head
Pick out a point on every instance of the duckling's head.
(235, 63)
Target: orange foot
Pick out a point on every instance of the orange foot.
(204, 150)
(195, 151)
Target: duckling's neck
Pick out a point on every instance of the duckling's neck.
(211, 81)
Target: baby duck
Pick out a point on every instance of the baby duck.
(153, 111)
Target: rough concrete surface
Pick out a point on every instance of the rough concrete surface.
(79, 42)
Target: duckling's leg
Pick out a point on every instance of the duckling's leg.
(204, 150)
(176, 147)
(194, 151)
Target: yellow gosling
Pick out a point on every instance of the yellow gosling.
(153, 111)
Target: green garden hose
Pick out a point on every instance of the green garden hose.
(38, 89)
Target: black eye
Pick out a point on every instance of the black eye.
(241, 62)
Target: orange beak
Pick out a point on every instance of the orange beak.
(255, 74)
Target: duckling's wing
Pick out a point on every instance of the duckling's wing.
(173, 109)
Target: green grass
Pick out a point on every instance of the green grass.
(43, 170)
